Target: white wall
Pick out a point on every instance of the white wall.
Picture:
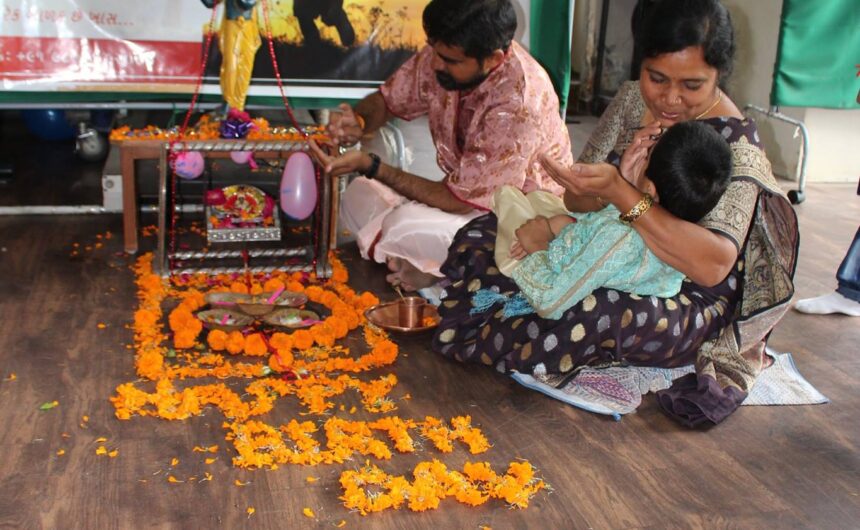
(834, 135)
(522, 8)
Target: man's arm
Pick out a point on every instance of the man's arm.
(431, 193)
(373, 111)
(351, 123)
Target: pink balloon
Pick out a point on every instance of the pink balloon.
(189, 165)
(241, 157)
(299, 187)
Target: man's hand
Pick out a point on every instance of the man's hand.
(344, 127)
(349, 162)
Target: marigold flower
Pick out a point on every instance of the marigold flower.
(238, 287)
(235, 343)
(255, 345)
(273, 284)
(281, 342)
(217, 340)
(302, 339)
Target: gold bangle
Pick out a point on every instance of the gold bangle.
(638, 209)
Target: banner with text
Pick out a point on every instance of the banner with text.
(323, 48)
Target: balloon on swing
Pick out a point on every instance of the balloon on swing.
(241, 157)
(189, 165)
(298, 192)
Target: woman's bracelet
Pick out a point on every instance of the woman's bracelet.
(638, 209)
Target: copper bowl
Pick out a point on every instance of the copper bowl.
(404, 316)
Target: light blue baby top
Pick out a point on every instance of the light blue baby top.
(596, 251)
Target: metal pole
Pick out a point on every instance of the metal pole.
(601, 45)
(795, 196)
(88, 209)
(161, 249)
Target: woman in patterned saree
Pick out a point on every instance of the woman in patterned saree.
(738, 261)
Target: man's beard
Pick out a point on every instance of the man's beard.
(448, 83)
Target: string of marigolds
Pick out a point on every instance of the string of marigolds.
(207, 128)
(309, 365)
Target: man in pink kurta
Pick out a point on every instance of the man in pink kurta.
(489, 127)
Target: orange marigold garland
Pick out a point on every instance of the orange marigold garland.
(433, 482)
(315, 370)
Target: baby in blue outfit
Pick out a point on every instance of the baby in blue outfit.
(688, 171)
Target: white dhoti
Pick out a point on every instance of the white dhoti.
(400, 228)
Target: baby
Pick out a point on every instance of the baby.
(688, 171)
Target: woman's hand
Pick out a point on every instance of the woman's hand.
(349, 162)
(635, 157)
(585, 180)
(344, 127)
(533, 235)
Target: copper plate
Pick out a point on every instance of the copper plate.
(387, 317)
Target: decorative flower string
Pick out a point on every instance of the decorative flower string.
(309, 365)
(208, 128)
(433, 482)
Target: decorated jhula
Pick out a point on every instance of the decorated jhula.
(187, 371)
(209, 128)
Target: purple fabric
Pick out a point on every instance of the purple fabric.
(697, 400)
(235, 129)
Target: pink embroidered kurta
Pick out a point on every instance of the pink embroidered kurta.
(491, 136)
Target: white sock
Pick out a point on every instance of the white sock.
(827, 304)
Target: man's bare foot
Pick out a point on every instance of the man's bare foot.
(407, 277)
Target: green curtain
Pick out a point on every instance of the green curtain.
(550, 29)
(818, 55)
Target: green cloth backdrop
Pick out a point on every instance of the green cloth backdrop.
(550, 31)
(819, 55)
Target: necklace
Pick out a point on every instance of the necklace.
(714, 104)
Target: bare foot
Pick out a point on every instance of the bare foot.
(405, 275)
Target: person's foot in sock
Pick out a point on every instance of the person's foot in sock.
(828, 304)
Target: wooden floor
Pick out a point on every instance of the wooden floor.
(766, 467)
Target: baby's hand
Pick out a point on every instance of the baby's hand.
(517, 251)
(558, 222)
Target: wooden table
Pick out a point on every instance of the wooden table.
(133, 150)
